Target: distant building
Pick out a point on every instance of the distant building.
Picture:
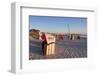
(34, 33)
(74, 36)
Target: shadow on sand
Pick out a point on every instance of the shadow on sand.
(35, 48)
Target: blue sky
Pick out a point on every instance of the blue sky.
(58, 24)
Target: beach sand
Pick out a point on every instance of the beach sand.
(64, 49)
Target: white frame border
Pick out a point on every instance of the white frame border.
(16, 44)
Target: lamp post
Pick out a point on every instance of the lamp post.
(68, 31)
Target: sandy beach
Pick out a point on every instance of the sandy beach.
(64, 49)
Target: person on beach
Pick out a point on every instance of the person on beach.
(44, 43)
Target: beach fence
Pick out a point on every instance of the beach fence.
(50, 48)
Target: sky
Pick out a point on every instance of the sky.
(56, 24)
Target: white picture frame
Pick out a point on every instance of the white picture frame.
(19, 50)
